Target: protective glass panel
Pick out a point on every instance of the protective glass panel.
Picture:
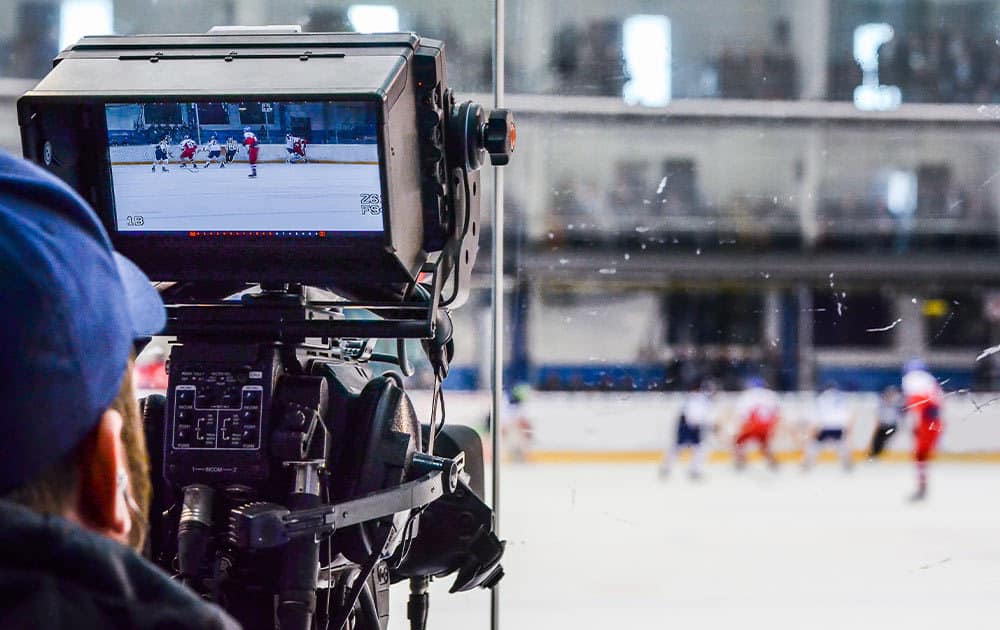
(734, 227)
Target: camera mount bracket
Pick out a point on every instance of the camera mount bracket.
(289, 316)
(264, 525)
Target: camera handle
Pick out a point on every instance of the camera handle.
(263, 525)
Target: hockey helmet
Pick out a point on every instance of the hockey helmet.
(914, 365)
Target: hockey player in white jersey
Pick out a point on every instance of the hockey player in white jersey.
(214, 152)
(697, 419)
(232, 148)
(161, 154)
(831, 422)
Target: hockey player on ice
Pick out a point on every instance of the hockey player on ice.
(232, 148)
(831, 423)
(161, 154)
(188, 148)
(296, 149)
(300, 149)
(214, 152)
(758, 409)
(253, 148)
(697, 419)
(923, 397)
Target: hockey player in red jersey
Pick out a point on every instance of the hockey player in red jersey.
(923, 397)
(253, 149)
(300, 148)
(188, 148)
(758, 410)
(295, 147)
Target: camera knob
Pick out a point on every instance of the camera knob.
(500, 136)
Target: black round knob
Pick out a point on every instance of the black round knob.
(500, 136)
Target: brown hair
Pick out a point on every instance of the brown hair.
(54, 490)
(137, 459)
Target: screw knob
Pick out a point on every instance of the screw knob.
(500, 136)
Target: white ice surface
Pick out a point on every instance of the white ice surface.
(598, 547)
(286, 197)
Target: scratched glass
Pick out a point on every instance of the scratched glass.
(706, 196)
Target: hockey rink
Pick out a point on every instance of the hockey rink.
(599, 546)
(307, 197)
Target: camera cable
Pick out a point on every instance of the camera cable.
(360, 582)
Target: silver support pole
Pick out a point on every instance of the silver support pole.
(498, 320)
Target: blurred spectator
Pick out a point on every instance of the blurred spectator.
(29, 53)
(930, 66)
(589, 61)
(150, 372)
(771, 73)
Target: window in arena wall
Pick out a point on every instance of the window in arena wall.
(163, 114)
(700, 318)
(849, 318)
(959, 319)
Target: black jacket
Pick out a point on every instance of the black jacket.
(55, 574)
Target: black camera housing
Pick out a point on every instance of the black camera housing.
(63, 128)
(292, 479)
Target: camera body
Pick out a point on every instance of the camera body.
(291, 484)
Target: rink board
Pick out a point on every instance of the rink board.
(618, 426)
(308, 197)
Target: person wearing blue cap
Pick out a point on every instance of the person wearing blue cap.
(74, 482)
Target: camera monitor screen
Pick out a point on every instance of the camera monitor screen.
(252, 168)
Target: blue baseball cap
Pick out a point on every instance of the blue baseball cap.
(70, 310)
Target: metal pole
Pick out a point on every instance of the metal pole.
(498, 320)
(197, 124)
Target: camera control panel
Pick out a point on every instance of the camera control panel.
(218, 409)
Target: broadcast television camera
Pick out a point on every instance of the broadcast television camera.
(291, 485)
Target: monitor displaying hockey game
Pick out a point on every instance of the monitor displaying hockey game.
(252, 168)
